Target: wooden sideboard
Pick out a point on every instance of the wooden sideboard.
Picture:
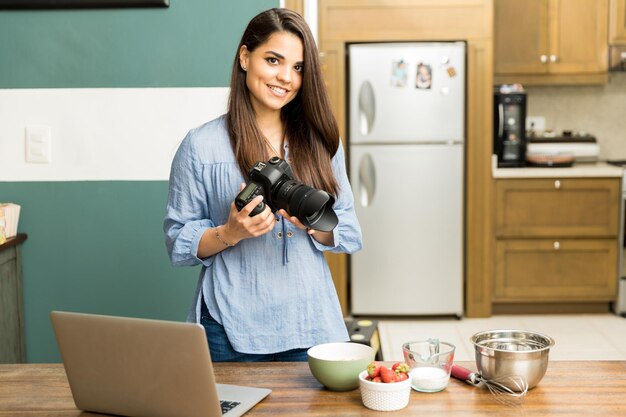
(12, 347)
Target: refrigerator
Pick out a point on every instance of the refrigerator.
(406, 136)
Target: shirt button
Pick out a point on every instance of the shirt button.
(279, 235)
(277, 219)
(289, 233)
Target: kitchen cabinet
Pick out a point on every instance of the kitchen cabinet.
(557, 241)
(295, 5)
(617, 22)
(555, 269)
(551, 41)
(12, 348)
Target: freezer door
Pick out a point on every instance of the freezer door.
(406, 92)
(409, 202)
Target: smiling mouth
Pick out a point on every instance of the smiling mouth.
(278, 90)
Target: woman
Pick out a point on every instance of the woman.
(265, 290)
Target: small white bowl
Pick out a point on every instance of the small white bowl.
(382, 396)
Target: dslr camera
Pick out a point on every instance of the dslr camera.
(274, 181)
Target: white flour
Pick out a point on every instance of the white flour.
(429, 379)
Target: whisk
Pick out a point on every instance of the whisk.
(509, 390)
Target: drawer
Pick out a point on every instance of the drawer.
(555, 270)
(570, 207)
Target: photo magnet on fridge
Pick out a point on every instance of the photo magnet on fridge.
(423, 78)
(399, 73)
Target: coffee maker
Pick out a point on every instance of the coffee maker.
(509, 127)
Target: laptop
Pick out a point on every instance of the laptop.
(144, 368)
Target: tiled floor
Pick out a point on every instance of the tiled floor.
(578, 337)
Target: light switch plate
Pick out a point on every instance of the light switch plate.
(38, 144)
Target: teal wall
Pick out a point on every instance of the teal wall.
(190, 44)
(97, 246)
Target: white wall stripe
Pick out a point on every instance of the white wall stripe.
(102, 133)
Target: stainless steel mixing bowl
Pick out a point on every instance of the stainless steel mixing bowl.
(501, 354)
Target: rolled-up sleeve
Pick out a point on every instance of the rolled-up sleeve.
(347, 235)
(186, 217)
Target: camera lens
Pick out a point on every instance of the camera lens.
(313, 218)
(311, 206)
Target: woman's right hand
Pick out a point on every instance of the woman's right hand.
(241, 226)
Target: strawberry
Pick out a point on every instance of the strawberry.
(377, 379)
(401, 376)
(401, 367)
(387, 375)
(373, 369)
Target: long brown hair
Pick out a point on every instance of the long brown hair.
(310, 126)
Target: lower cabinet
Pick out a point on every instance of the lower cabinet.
(557, 242)
(556, 270)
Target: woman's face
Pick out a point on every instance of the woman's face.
(273, 71)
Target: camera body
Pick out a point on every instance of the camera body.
(275, 182)
(264, 176)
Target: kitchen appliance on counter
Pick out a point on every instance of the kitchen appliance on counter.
(580, 147)
(620, 305)
(406, 133)
(509, 134)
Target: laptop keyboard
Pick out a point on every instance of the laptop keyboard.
(228, 405)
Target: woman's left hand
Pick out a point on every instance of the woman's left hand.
(325, 238)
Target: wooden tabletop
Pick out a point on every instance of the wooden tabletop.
(568, 389)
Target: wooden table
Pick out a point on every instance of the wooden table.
(568, 389)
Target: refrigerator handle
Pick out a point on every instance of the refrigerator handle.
(367, 180)
(367, 108)
(500, 120)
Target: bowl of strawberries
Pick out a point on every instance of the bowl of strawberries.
(384, 387)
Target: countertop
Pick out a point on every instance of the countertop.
(572, 388)
(578, 170)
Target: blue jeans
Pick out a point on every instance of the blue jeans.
(222, 351)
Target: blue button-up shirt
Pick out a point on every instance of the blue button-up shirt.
(271, 293)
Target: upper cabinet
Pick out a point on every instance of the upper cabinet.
(618, 22)
(551, 41)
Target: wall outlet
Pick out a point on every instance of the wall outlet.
(536, 123)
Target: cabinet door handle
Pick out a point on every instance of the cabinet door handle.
(553, 58)
(557, 245)
(557, 184)
(544, 59)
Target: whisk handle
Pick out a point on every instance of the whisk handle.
(463, 374)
